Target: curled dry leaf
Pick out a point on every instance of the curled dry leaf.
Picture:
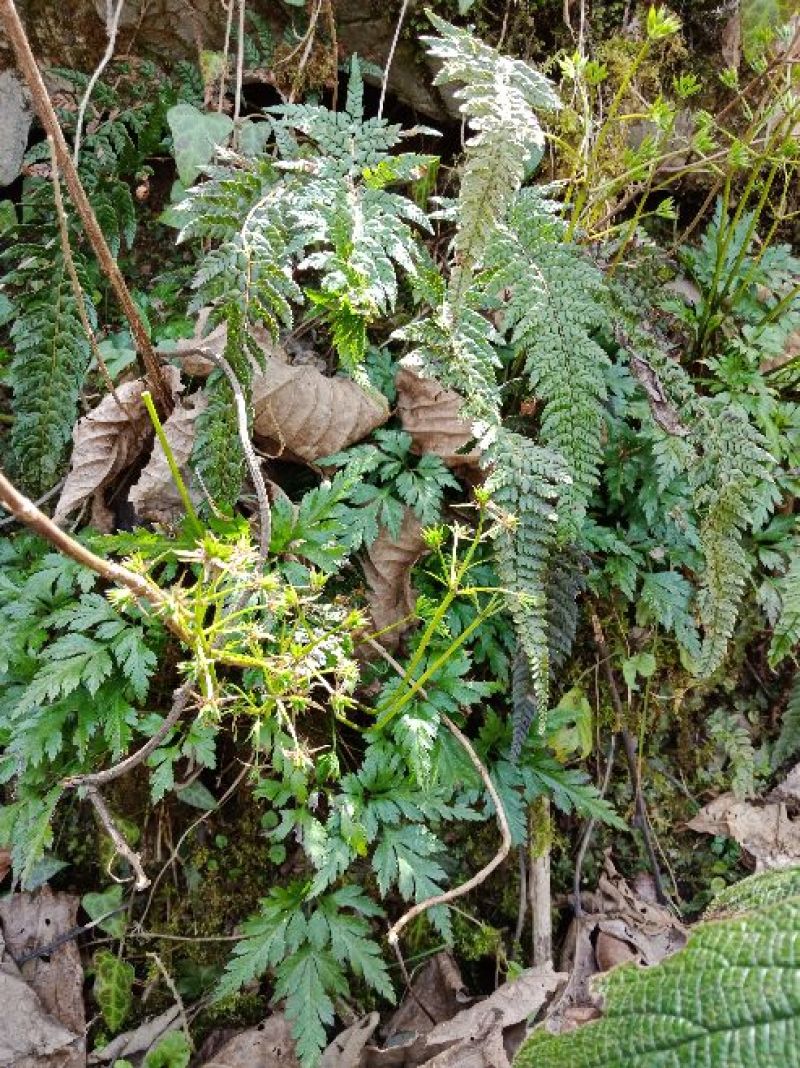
(764, 831)
(431, 415)
(511, 1004)
(191, 350)
(387, 568)
(621, 925)
(33, 921)
(301, 412)
(108, 440)
(269, 1045)
(347, 1049)
(155, 496)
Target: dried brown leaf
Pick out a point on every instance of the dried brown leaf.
(29, 1036)
(155, 496)
(33, 921)
(347, 1049)
(299, 411)
(5, 863)
(108, 440)
(623, 926)
(387, 568)
(138, 1040)
(431, 414)
(269, 1045)
(765, 831)
(509, 1005)
(191, 350)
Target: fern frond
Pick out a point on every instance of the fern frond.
(729, 486)
(500, 97)
(786, 635)
(564, 581)
(525, 484)
(48, 367)
(553, 311)
(788, 743)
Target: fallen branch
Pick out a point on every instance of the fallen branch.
(121, 846)
(98, 778)
(15, 32)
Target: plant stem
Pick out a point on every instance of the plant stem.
(196, 525)
(15, 32)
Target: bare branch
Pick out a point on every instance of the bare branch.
(15, 32)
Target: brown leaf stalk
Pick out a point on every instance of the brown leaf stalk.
(15, 31)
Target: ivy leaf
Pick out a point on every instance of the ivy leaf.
(101, 903)
(195, 136)
(113, 988)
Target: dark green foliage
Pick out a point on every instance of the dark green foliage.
(551, 313)
(402, 480)
(51, 356)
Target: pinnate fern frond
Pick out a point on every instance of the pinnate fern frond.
(525, 483)
(50, 359)
(552, 310)
(729, 486)
(500, 98)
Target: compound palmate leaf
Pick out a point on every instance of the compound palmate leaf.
(730, 999)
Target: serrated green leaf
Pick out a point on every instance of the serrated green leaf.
(730, 999)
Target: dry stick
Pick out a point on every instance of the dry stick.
(237, 102)
(225, 50)
(641, 819)
(390, 57)
(485, 872)
(176, 995)
(180, 699)
(264, 513)
(77, 291)
(112, 25)
(24, 510)
(539, 891)
(335, 50)
(590, 826)
(15, 32)
(45, 497)
(121, 846)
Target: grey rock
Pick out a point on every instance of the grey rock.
(15, 122)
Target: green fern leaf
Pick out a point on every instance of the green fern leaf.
(786, 635)
(788, 743)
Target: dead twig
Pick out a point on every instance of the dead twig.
(15, 32)
(99, 778)
(588, 833)
(390, 57)
(120, 845)
(112, 26)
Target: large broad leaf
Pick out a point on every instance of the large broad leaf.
(731, 999)
(195, 136)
